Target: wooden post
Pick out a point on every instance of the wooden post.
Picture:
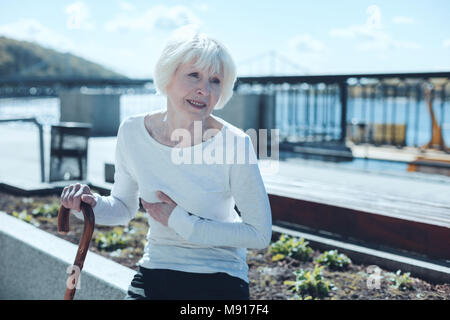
(343, 99)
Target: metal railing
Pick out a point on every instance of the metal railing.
(41, 140)
(377, 109)
(11, 87)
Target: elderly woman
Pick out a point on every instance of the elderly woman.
(196, 243)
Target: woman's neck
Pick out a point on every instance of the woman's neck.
(183, 130)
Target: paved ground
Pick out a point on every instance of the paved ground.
(423, 197)
(19, 154)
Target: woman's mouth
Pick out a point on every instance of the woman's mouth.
(196, 104)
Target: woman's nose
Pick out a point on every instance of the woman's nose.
(204, 89)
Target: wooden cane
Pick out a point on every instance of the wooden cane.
(83, 246)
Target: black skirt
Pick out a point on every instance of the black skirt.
(165, 284)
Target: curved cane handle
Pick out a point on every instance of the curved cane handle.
(63, 228)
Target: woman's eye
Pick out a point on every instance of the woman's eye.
(194, 74)
(215, 80)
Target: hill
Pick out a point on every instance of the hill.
(23, 58)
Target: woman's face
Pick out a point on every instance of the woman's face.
(193, 92)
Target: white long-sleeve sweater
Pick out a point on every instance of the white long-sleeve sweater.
(204, 233)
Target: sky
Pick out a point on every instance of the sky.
(306, 37)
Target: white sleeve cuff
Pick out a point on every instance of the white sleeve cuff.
(182, 222)
(99, 203)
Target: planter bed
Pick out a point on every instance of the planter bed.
(267, 277)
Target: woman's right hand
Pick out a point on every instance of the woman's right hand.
(73, 194)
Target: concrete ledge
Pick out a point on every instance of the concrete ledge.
(427, 271)
(30, 189)
(33, 265)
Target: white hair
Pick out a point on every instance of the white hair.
(210, 55)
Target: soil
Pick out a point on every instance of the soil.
(267, 277)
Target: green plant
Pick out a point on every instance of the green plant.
(24, 216)
(298, 297)
(334, 260)
(292, 247)
(140, 216)
(277, 257)
(401, 281)
(111, 240)
(310, 284)
(47, 210)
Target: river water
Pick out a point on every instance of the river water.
(46, 110)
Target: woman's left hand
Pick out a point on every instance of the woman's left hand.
(160, 211)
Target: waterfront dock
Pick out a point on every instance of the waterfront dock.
(384, 209)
